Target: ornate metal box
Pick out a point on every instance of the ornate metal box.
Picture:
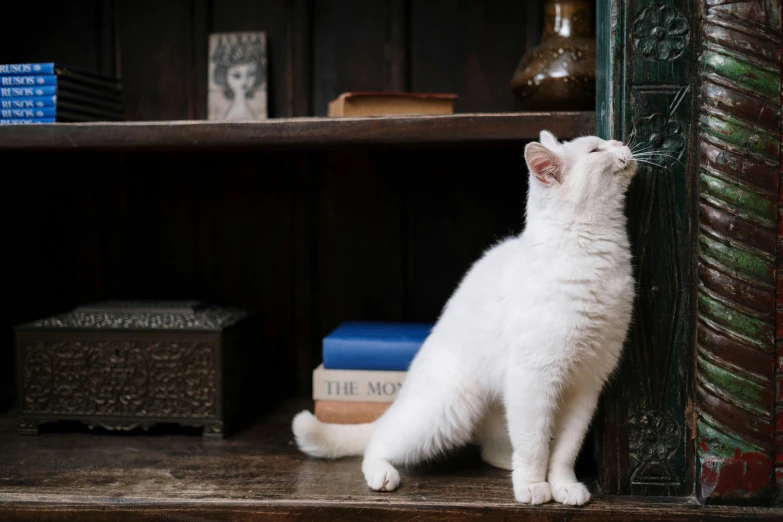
(125, 364)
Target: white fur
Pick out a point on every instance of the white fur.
(522, 349)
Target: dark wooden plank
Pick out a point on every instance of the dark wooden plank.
(349, 49)
(65, 32)
(257, 474)
(535, 23)
(473, 52)
(201, 23)
(296, 132)
(56, 251)
(304, 224)
(613, 510)
(357, 241)
(156, 43)
(253, 246)
(106, 38)
(298, 59)
(397, 60)
(458, 206)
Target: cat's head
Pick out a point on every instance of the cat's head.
(584, 172)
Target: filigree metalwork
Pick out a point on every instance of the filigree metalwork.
(119, 377)
(143, 315)
(210, 319)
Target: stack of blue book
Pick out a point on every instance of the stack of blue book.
(364, 367)
(33, 93)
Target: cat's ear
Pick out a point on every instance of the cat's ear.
(548, 140)
(543, 163)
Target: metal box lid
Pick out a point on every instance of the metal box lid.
(142, 316)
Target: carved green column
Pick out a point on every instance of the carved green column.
(646, 73)
(739, 176)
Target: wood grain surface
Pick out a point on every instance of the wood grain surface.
(260, 475)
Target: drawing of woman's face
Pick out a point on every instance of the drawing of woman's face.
(241, 77)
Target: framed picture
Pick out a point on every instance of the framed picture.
(237, 76)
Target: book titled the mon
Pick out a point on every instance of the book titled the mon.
(356, 385)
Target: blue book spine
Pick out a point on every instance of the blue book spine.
(373, 346)
(46, 112)
(27, 68)
(28, 103)
(26, 121)
(28, 92)
(27, 81)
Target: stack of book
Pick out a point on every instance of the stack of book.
(49, 92)
(364, 367)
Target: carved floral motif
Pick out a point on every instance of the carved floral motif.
(657, 132)
(660, 33)
(653, 436)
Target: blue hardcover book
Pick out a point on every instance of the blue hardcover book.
(35, 102)
(27, 81)
(26, 121)
(27, 68)
(45, 112)
(36, 71)
(28, 92)
(380, 346)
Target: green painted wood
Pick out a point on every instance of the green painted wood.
(754, 329)
(739, 143)
(724, 445)
(746, 264)
(740, 199)
(645, 61)
(762, 78)
(751, 395)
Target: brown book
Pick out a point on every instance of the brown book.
(391, 104)
(349, 412)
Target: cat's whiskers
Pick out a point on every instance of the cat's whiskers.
(643, 148)
(634, 141)
(656, 154)
(649, 163)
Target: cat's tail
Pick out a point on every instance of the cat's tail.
(330, 441)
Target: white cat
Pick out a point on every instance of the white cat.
(522, 349)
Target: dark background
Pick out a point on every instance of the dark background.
(309, 237)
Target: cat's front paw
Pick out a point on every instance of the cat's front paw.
(532, 492)
(381, 476)
(574, 494)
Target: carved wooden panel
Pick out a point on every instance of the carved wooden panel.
(739, 179)
(645, 63)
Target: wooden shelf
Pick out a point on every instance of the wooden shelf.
(296, 132)
(259, 474)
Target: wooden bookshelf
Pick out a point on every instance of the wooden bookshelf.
(296, 132)
(259, 474)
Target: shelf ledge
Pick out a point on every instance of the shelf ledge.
(296, 132)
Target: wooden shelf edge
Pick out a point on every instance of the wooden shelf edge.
(625, 509)
(296, 132)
